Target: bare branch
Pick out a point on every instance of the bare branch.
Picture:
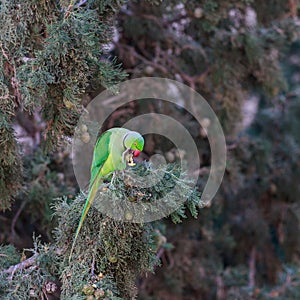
(23, 265)
(252, 270)
(15, 219)
(221, 293)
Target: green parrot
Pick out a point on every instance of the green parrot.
(114, 149)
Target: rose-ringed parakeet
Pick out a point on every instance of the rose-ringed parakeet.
(114, 149)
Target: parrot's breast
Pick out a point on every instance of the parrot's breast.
(116, 148)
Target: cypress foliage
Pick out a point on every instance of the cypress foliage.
(50, 51)
(53, 61)
(236, 54)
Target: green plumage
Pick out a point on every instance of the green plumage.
(110, 154)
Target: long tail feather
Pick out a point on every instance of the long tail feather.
(90, 198)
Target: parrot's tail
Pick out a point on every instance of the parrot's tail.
(90, 198)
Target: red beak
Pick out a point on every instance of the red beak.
(136, 153)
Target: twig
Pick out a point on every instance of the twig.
(81, 3)
(4, 53)
(23, 265)
(142, 58)
(170, 259)
(158, 255)
(93, 266)
(280, 291)
(221, 294)
(15, 85)
(72, 5)
(14, 81)
(5, 97)
(201, 171)
(231, 146)
(112, 99)
(15, 218)
(293, 7)
(4, 219)
(117, 114)
(69, 9)
(151, 18)
(252, 270)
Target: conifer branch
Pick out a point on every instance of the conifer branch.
(23, 265)
(69, 9)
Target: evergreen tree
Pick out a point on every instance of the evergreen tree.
(235, 53)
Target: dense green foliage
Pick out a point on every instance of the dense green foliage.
(54, 59)
(235, 53)
(50, 54)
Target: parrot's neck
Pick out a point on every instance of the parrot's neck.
(125, 136)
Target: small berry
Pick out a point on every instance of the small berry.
(68, 104)
(99, 294)
(198, 12)
(109, 293)
(273, 188)
(83, 128)
(113, 259)
(128, 215)
(85, 137)
(205, 122)
(149, 70)
(88, 289)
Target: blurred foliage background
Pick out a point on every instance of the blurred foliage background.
(242, 56)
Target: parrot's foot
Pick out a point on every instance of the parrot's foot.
(113, 178)
(117, 173)
(111, 184)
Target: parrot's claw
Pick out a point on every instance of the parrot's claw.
(111, 184)
(131, 163)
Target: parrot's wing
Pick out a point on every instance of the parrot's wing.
(101, 153)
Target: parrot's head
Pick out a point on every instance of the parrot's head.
(134, 141)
